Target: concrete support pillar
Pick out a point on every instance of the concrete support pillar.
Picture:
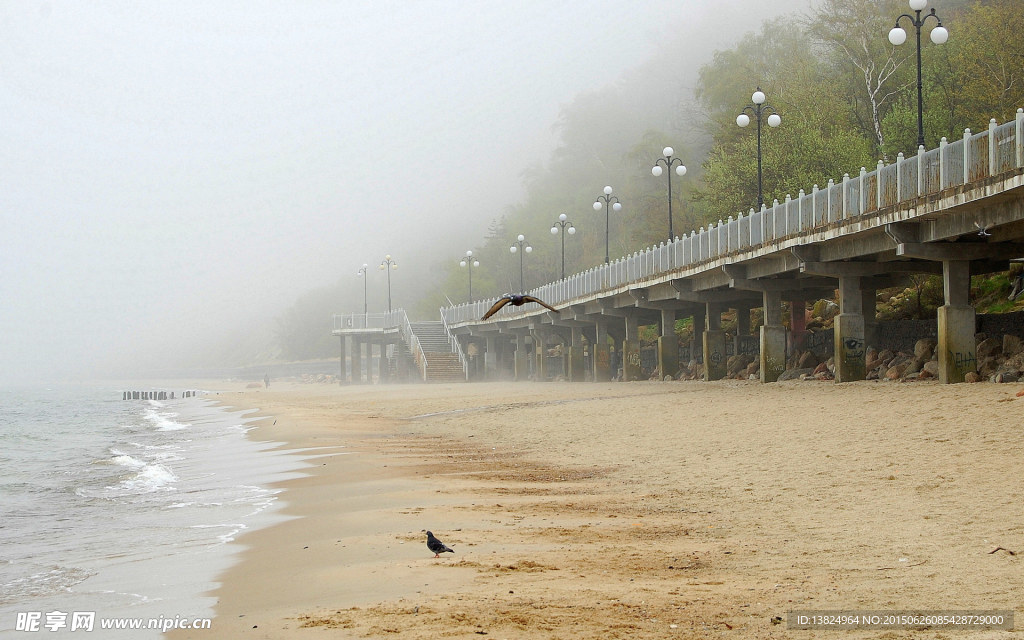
(957, 355)
(668, 345)
(357, 361)
(773, 338)
(601, 355)
(382, 362)
(714, 344)
(797, 323)
(742, 328)
(540, 348)
(574, 370)
(343, 375)
(697, 344)
(630, 360)
(869, 308)
(490, 358)
(522, 358)
(849, 332)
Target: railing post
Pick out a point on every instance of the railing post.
(828, 200)
(920, 170)
(814, 205)
(992, 147)
(1020, 138)
(899, 176)
(860, 192)
(967, 156)
(843, 194)
(942, 163)
(878, 184)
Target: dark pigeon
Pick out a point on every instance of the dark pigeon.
(437, 546)
(515, 300)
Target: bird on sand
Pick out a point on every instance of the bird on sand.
(515, 300)
(437, 546)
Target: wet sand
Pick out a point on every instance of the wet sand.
(631, 510)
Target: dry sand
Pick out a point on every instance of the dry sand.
(637, 510)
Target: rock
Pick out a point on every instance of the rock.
(1020, 394)
(988, 366)
(972, 377)
(924, 348)
(738, 363)
(915, 365)
(825, 375)
(808, 361)
(931, 368)
(821, 368)
(794, 374)
(925, 374)
(754, 368)
(1012, 345)
(872, 375)
(896, 372)
(886, 355)
(1005, 376)
(871, 354)
(989, 348)
(873, 364)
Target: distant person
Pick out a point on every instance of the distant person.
(266, 380)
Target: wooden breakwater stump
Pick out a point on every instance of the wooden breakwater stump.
(157, 395)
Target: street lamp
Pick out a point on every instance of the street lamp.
(388, 265)
(469, 263)
(607, 199)
(759, 108)
(562, 223)
(362, 274)
(898, 36)
(521, 247)
(668, 161)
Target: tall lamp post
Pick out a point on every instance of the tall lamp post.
(759, 109)
(668, 161)
(898, 36)
(609, 201)
(362, 274)
(469, 263)
(521, 247)
(562, 223)
(388, 265)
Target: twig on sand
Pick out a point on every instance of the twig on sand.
(1012, 553)
(916, 564)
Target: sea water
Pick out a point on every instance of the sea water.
(123, 511)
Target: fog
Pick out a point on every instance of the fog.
(174, 174)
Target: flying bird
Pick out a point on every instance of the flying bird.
(516, 301)
(437, 546)
(983, 231)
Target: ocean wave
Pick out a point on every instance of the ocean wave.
(48, 581)
(163, 421)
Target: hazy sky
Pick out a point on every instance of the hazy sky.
(177, 169)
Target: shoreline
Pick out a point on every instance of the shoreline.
(619, 510)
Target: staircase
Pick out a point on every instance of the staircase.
(442, 364)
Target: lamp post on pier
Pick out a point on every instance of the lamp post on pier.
(759, 109)
(388, 265)
(668, 161)
(469, 262)
(613, 203)
(362, 274)
(562, 223)
(898, 36)
(520, 246)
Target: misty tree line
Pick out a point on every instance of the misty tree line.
(847, 98)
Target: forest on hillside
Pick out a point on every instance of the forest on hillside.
(847, 98)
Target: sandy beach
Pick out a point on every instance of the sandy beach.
(631, 510)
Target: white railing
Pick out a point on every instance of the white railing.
(456, 348)
(975, 157)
